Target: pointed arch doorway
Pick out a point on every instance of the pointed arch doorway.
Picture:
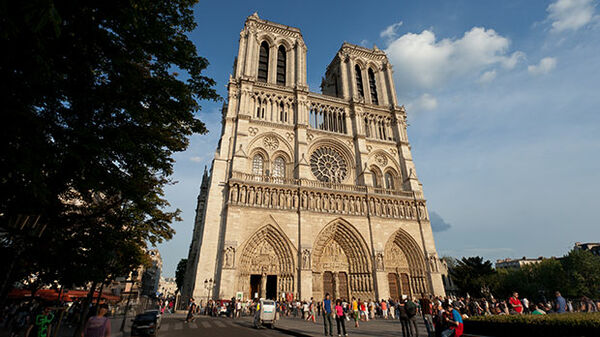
(405, 266)
(266, 267)
(341, 264)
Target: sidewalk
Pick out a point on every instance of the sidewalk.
(374, 327)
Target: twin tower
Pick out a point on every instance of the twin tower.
(310, 193)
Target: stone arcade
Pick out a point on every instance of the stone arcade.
(310, 193)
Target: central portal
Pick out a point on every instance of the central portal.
(271, 287)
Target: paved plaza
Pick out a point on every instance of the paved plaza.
(376, 327)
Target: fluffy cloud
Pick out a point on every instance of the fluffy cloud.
(545, 66)
(425, 102)
(390, 32)
(570, 14)
(488, 76)
(437, 223)
(422, 62)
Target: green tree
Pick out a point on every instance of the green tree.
(535, 281)
(93, 114)
(582, 274)
(180, 273)
(472, 274)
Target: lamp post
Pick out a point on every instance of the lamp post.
(208, 284)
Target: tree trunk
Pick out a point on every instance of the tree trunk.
(85, 308)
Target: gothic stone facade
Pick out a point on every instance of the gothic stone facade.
(311, 193)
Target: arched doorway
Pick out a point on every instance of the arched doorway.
(266, 267)
(404, 263)
(341, 264)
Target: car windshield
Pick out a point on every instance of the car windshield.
(145, 317)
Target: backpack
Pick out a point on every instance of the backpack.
(411, 309)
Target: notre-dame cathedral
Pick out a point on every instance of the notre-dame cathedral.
(311, 193)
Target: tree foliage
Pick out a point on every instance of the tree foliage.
(574, 275)
(472, 274)
(93, 115)
(180, 273)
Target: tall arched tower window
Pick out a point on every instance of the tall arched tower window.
(279, 168)
(263, 62)
(257, 165)
(373, 87)
(281, 63)
(359, 81)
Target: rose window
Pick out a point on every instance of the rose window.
(328, 165)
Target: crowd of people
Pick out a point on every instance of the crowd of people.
(34, 317)
(442, 316)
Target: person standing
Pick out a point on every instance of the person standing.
(426, 309)
(355, 312)
(41, 324)
(339, 318)
(312, 310)
(327, 315)
(403, 319)
(515, 302)
(384, 309)
(98, 325)
(561, 304)
(411, 312)
(191, 309)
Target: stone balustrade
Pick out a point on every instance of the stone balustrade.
(290, 194)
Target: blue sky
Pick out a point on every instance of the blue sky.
(503, 102)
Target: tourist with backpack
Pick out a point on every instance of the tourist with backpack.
(411, 312)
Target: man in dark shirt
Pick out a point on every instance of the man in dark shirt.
(427, 318)
(404, 318)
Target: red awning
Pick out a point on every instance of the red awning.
(52, 295)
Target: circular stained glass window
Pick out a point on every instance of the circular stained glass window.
(328, 165)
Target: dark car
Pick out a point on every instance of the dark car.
(146, 324)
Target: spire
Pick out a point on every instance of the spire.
(204, 183)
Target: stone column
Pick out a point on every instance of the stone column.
(366, 85)
(351, 78)
(263, 286)
(272, 75)
(291, 67)
(241, 59)
(382, 87)
(249, 59)
(344, 76)
(390, 84)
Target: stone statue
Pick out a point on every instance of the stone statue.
(229, 256)
(379, 261)
(306, 259)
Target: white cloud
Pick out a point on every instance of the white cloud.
(196, 159)
(488, 76)
(422, 62)
(545, 66)
(364, 43)
(570, 14)
(389, 33)
(425, 102)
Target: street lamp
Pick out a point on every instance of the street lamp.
(208, 286)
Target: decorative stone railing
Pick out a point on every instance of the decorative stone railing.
(293, 194)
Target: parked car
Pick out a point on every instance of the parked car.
(146, 324)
